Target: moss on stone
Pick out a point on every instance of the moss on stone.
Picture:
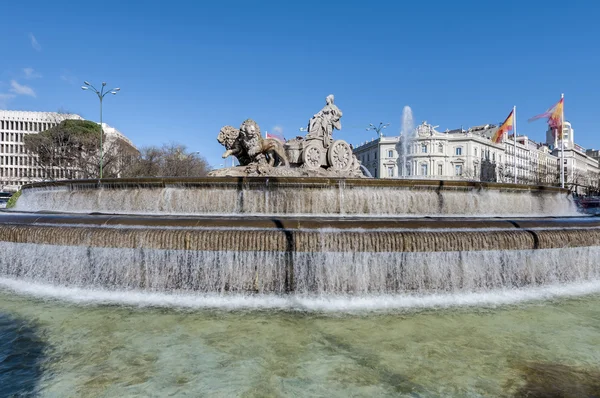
(13, 200)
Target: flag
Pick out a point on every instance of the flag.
(506, 127)
(554, 115)
(275, 136)
(555, 120)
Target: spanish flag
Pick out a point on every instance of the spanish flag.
(554, 115)
(555, 120)
(506, 127)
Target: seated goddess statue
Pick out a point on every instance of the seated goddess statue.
(322, 124)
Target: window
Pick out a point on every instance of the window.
(423, 148)
(440, 148)
(475, 171)
(458, 169)
(390, 170)
(494, 156)
(391, 153)
(458, 151)
(440, 169)
(475, 151)
(424, 169)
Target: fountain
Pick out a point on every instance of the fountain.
(406, 135)
(296, 218)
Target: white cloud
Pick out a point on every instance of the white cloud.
(4, 99)
(21, 89)
(30, 73)
(34, 43)
(277, 130)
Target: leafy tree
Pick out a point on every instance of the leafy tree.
(71, 149)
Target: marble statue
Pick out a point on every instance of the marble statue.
(249, 147)
(316, 155)
(322, 124)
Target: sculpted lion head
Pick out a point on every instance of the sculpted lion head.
(228, 136)
(250, 128)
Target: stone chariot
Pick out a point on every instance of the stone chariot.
(313, 154)
(317, 154)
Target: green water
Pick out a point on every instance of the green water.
(113, 351)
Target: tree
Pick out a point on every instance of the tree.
(170, 160)
(488, 171)
(71, 149)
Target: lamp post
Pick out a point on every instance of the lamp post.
(100, 95)
(378, 129)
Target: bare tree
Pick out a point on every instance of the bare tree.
(170, 160)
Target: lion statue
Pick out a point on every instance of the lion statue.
(248, 146)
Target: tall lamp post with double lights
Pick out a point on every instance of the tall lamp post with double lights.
(378, 129)
(100, 95)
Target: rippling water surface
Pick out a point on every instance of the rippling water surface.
(63, 349)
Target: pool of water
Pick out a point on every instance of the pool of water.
(62, 348)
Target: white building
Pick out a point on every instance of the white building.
(458, 155)
(18, 167)
(380, 156)
(581, 167)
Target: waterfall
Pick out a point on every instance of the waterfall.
(396, 198)
(331, 273)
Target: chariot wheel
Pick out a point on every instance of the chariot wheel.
(312, 155)
(339, 156)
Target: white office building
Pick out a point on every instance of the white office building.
(17, 166)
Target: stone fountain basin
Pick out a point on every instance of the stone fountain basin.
(295, 196)
(305, 255)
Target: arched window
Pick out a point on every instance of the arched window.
(391, 153)
(440, 148)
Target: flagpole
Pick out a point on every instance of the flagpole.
(515, 142)
(562, 143)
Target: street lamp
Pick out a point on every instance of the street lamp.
(100, 95)
(378, 128)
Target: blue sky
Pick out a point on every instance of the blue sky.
(187, 68)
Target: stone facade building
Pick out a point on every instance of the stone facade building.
(459, 155)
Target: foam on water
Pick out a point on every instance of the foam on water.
(338, 304)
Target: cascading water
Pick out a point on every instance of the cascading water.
(311, 197)
(296, 237)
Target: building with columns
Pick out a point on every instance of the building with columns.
(459, 155)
